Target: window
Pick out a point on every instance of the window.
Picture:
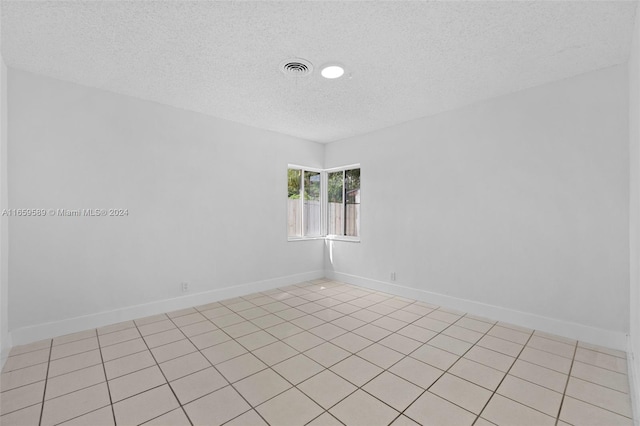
(323, 203)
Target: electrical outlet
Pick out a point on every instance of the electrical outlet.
(185, 287)
(393, 276)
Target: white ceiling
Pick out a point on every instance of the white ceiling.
(405, 59)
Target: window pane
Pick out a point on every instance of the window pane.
(312, 209)
(294, 206)
(335, 208)
(352, 205)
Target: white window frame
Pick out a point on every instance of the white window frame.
(326, 217)
(323, 204)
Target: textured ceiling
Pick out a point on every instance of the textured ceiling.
(404, 60)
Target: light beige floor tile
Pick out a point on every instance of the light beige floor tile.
(176, 417)
(208, 339)
(256, 340)
(606, 398)
(276, 307)
(241, 329)
(128, 364)
(555, 337)
(327, 354)
(450, 344)
(348, 323)
(327, 331)
(509, 334)
(602, 349)
(461, 392)
(430, 409)
(503, 411)
(328, 314)
(150, 319)
(74, 362)
(576, 412)
(267, 321)
(433, 356)
(173, 350)
(404, 316)
(197, 384)
(490, 358)
(325, 419)
(31, 347)
(418, 308)
(250, 418)
(284, 330)
(356, 370)
(156, 327)
(432, 324)
(123, 349)
(198, 328)
(216, 312)
(24, 376)
(441, 315)
(134, 383)
(252, 313)
(552, 346)
(463, 334)
(380, 355)
(163, 338)
(382, 309)
(472, 324)
(417, 372)
(326, 388)
(310, 307)
(118, 337)
(372, 332)
(116, 327)
(145, 406)
(483, 422)
(514, 327)
(227, 320)
(600, 376)
(26, 416)
(68, 338)
(242, 305)
(364, 315)
(308, 321)
(546, 359)
(261, 386)
(531, 395)
(240, 367)
(290, 314)
(291, 407)
(216, 408)
(389, 324)
(274, 353)
(393, 390)
(74, 381)
(540, 375)
(303, 341)
(72, 405)
(73, 348)
(298, 368)
(601, 360)
(351, 342)
(348, 309)
(417, 333)
(361, 408)
(400, 343)
(26, 360)
(22, 397)
(100, 417)
(404, 421)
(477, 373)
(184, 365)
(499, 345)
(192, 318)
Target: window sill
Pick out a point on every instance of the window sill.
(304, 238)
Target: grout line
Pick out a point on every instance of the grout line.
(46, 379)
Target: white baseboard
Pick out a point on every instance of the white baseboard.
(634, 386)
(587, 334)
(24, 335)
(5, 348)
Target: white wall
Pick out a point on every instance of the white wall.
(518, 202)
(206, 201)
(634, 216)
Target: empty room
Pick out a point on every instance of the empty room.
(319, 213)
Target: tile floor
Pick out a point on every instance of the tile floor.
(316, 353)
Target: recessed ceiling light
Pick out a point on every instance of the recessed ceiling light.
(332, 71)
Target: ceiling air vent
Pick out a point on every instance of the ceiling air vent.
(296, 67)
